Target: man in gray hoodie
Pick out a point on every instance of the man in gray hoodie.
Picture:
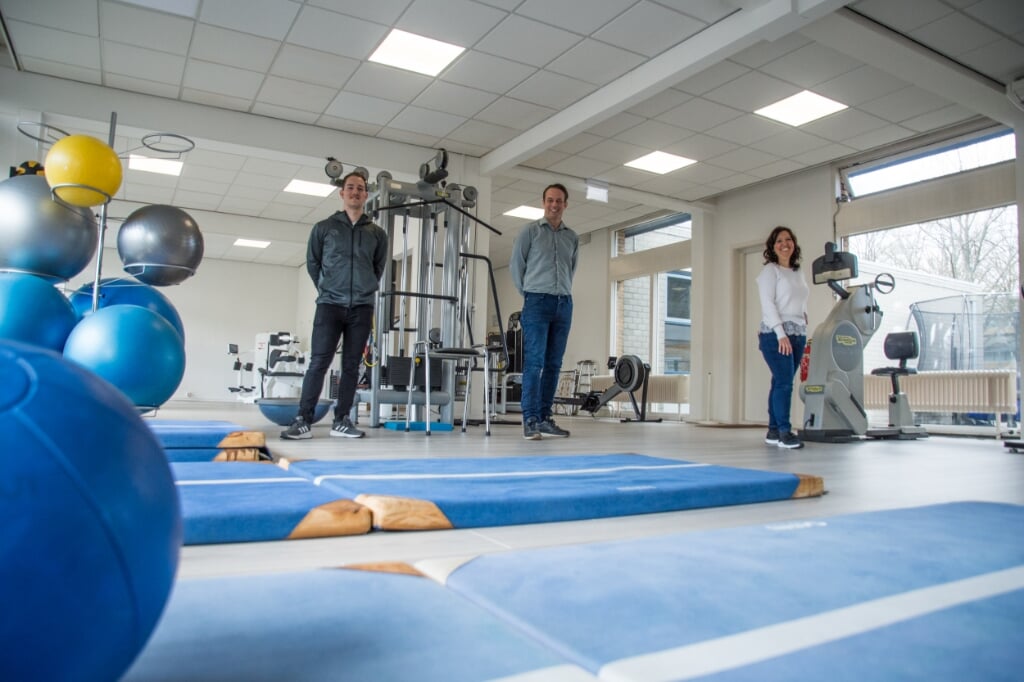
(345, 258)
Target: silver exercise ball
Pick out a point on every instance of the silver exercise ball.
(41, 236)
(160, 245)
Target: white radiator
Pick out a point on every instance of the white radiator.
(983, 390)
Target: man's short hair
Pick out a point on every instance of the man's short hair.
(558, 186)
(355, 173)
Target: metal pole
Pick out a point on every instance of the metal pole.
(103, 228)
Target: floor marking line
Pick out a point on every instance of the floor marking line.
(745, 648)
(234, 481)
(502, 474)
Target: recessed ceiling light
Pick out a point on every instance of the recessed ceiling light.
(527, 212)
(162, 166)
(660, 162)
(415, 53)
(313, 189)
(801, 108)
(252, 243)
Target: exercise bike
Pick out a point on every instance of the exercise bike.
(833, 395)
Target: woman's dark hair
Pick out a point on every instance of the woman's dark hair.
(769, 248)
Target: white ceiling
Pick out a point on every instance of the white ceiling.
(546, 90)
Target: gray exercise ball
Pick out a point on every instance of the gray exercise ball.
(41, 236)
(160, 245)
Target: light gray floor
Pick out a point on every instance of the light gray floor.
(860, 476)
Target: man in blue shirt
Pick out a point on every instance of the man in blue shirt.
(543, 264)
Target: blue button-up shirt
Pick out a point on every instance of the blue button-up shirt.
(544, 259)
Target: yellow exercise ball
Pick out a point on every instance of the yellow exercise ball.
(83, 160)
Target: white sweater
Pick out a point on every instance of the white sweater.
(783, 293)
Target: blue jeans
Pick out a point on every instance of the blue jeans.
(783, 369)
(546, 320)
(330, 322)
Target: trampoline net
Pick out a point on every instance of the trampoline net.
(970, 331)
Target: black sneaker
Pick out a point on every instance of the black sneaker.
(772, 437)
(531, 430)
(343, 428)
(790, 441)
(299, 430)
(548, 427)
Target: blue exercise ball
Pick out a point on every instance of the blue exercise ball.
(33, 311)
(92, 528)
(118, 291)
(135, 349)
(41, 236)
(160, 245)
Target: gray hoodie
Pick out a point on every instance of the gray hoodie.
(346, 262)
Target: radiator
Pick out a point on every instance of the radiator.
(990, 391)
(661, 388)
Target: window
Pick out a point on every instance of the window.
(670, 229)
(947, 159)
(667, 349)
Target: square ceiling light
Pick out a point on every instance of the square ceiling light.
(660, 162)
(313, 189)
(149, 165)
(527, 212)
(415, 53)
(801, 108)
(252, 243)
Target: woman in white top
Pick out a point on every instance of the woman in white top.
(783, 331)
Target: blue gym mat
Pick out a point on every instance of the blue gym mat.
(183, 433)
(468, 493)
(336, 625)
(252, 502)
(930, 593)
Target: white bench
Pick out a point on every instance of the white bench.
(670, 389)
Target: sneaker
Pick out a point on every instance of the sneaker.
(790, 441)
(531, 430)
(772, 437)
(299, 430)
(548, 427)
(343, 428)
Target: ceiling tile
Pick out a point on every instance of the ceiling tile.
(823, 154)
(454, 99)
(335, 33)
(955, 34)
(736, 180)
(313, 66)
(50, 45)
(222, 46)
(860, 85)
(615, 152)
(746, 129)
(369, 128)
(699, 147)
(660, 103)
(525, 40)
(940, 118)
(196, 200)
(582, 16)
(380, 11)
(649, 29)
(615, 125)
(426, 121)
(144, 28)
(752, 91)
(904, 104)
(484, 134)
(138, 62)
(595, 62)
(146, 194)
(1003, 59)
(743, 159)
(192, 170)
(215, 159)
(904, 16)
(222, 80)
(708, 11)
(486, 72)
(625, 176)
(278, 171)
(780, 167)
(249, 207)
(387, 82)
(810, 65)
(762, 52)
(844, 124)
(363, 108)
(789, 143)
(551, 90)
(578, 143)
(76, 17)
(458, 22)
(514, 114)
(267, 18)
(141, 85)
(201, 185)
(653, 134)
(408, 137)
(581, 167)
(1005, 16)
(877, 138)
(699, 114)
(285, 113)
(544, 159)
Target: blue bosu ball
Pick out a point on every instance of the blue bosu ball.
(92, 527)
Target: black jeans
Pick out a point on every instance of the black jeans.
(331, 323)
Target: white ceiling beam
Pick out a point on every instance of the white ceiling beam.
(767, 21)
(864, 40)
